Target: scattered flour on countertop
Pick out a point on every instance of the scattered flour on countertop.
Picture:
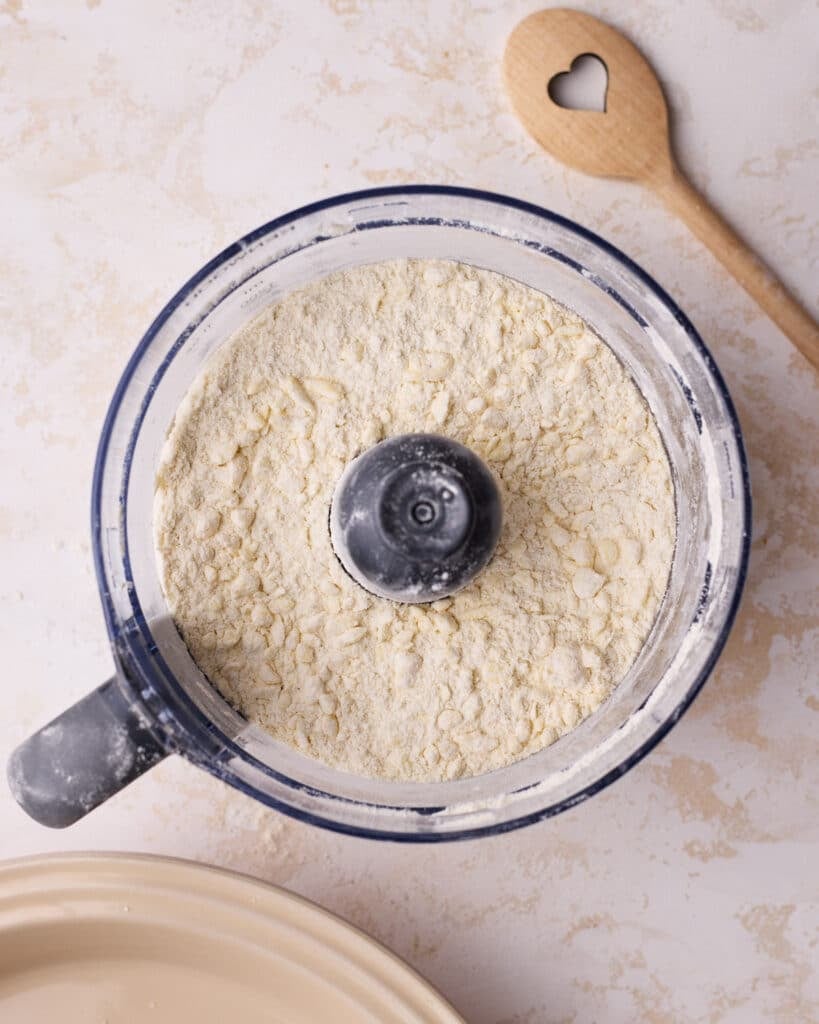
(415, 692)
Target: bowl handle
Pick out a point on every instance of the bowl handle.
(85, 755)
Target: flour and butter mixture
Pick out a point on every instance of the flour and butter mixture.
(469, 683)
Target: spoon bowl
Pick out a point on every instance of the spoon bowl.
(627, 140)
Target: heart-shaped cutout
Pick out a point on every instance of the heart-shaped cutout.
(583, 86)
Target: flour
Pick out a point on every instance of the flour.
(416, 692)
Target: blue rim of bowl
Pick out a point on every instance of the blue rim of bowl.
(199, 721)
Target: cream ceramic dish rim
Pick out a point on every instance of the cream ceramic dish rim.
(96, 895)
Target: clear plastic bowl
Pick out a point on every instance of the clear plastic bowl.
(160, 702)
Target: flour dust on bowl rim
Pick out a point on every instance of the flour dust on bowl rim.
(159, 702)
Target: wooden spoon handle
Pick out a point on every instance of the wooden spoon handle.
(786, 312)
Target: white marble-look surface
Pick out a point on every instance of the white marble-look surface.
(139, 138)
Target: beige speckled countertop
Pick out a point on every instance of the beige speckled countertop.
(136, 140)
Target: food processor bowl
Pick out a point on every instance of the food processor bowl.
(159, 702)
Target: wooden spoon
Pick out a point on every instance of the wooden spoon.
(630, 139)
